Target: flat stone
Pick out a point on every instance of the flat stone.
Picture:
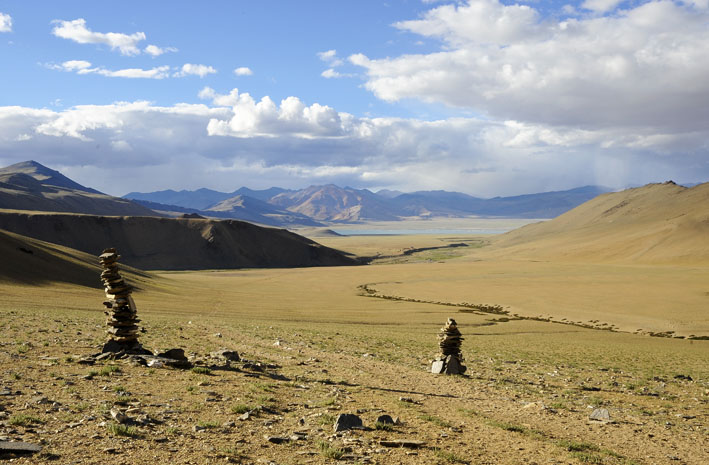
(347, 421)
(410, 443)
(600, 414)
(277, 439)
(437, 367)
(18, 447)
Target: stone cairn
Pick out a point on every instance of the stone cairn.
(122, 319)
(450, 360)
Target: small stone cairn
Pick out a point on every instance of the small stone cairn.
(122, 313)
(450, 360)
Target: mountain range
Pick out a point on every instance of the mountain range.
(331, 203)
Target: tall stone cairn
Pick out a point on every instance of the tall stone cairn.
(122, 319)
(450, 360)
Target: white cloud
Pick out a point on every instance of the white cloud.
(265, 118)
(600, 6)
(77, 31)
(189, 69)
(238, 140)
(331, 73)
(330, 57)
(243, 71)
(207, 93)
(5, 22)
(642, 69)
(327, 55)
(159, 72)
(156, 51)
(76, 65)
(85, 67)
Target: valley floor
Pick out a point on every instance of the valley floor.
(319, 344)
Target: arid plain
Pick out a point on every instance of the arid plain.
(553, 331)
(324, 341)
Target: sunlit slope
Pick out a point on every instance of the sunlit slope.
(657, 223)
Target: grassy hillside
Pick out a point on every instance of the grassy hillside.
(657, 223)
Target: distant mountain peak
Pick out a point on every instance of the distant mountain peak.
(45, 175)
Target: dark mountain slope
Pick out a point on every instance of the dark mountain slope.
(176, 244)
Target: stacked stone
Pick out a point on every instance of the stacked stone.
(450, 360)
(122, 320)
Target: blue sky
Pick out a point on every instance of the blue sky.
(478, 96)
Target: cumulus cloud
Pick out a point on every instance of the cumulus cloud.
(5, 22)
(85, 67)
(642, 69)
(189, 69)
(243, 71)
(265, 118)
(156, 51)
(235, 139)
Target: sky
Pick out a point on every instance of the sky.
(477, 96)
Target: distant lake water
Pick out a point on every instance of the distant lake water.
(442, 226)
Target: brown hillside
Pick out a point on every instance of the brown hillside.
(176, 244)
(658, 223)
(31, 261)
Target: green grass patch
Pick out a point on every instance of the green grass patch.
(109, 370)
(587, 457)
(449, 457)
(25, 420)
(327, 419)
(575, 446)
(208, 424)
(329, 451)
(383, 426)
(201, 370)
(435, 420)
(240, 409)
(118, 429)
